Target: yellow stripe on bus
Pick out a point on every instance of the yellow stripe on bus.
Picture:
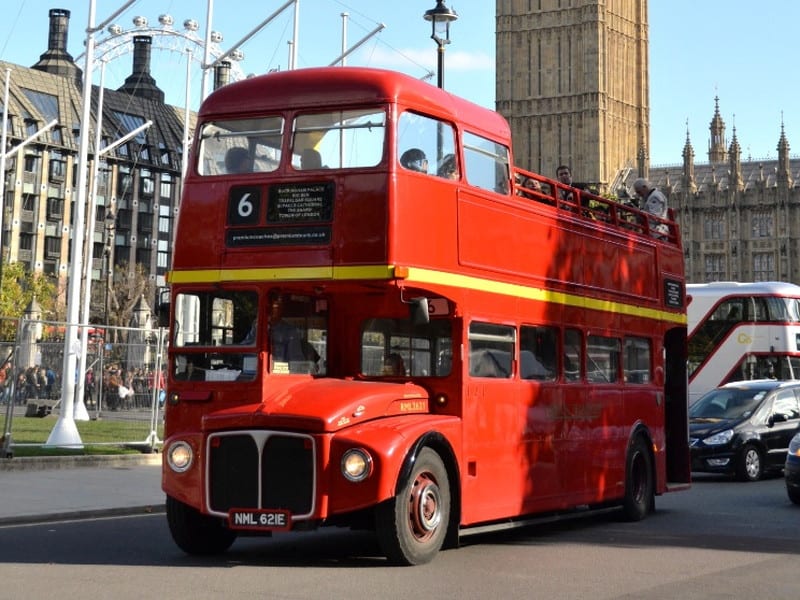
(413, 274)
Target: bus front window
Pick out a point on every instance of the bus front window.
(297, 329)
(342, 139)
(240, 146)
(213, 330)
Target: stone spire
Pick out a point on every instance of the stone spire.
(688, 164)
(735, 180)
(717, 152)
(784, 174)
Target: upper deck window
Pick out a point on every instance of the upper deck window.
(426, 145)
(486, 163)
(240, 146)
(342, 139)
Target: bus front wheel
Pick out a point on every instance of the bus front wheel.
(196, 533)
(412, 526)
(639, 485)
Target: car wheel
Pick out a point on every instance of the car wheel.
(751, 465)
(794, 494)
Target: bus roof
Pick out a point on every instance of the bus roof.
(320, 87)
(721, 289)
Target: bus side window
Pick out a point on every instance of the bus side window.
(486, 164)
(491, 348)
(434, 139)
(573, 354)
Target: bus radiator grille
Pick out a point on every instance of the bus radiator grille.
(285, 470)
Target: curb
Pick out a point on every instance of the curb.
(129, 511)
(42, 463)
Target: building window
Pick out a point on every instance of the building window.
(166, 186)
(29, 202)
(31, 163)
(146, 184)
(52, 247)
(31, 127)
(714, 227)
(25, 241)
(58, 169)
(55, 208)
(714, 267)
(763, 225)
(764, 266)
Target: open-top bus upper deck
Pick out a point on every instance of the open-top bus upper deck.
(360, 215)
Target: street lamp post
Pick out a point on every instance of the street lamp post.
(108, 246)
(440, 17)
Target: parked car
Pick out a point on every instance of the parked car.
(791, 470)
(744, 428)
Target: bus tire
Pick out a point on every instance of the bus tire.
(750, 464)
(639, 486)
(412, 526)
(195, 533)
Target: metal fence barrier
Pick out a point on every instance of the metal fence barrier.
(119, 384)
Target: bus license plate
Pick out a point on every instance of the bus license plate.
(267, 520)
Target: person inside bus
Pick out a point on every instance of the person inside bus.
(447, 167)
(310, 159)
(238, 160)
(393, 365)
(286, 341)
(414, 159)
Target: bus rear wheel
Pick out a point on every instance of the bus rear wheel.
(196, 533)
(639, 486)
(412, 526)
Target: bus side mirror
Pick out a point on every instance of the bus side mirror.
(163, 314)
(419, 311)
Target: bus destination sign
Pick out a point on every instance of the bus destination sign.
(300, 203)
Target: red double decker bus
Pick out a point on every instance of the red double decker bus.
(375, 324)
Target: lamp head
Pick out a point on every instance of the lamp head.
(440, 17)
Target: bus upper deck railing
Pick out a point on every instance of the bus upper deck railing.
(593, 207)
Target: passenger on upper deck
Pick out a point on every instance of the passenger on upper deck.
(447, 167)
(238, 160)
(654, 202)
(414, 159)
(310, 159)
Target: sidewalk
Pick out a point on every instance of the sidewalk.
(37, 490)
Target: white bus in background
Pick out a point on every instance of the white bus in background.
(741, 331)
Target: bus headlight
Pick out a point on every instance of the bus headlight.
(356, 464)
(180, 456)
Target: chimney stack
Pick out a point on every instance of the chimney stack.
(140, 83)
(57, 60)
(222, 74)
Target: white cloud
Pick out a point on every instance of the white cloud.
(406, 59)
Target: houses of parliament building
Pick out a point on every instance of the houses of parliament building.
(571, 79)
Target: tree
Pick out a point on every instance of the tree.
(19, 288)
(128, 287)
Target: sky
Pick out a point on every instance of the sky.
(699, 50)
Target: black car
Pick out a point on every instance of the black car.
(744, 428)
(791, 470)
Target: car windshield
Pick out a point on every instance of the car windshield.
(727, 403)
